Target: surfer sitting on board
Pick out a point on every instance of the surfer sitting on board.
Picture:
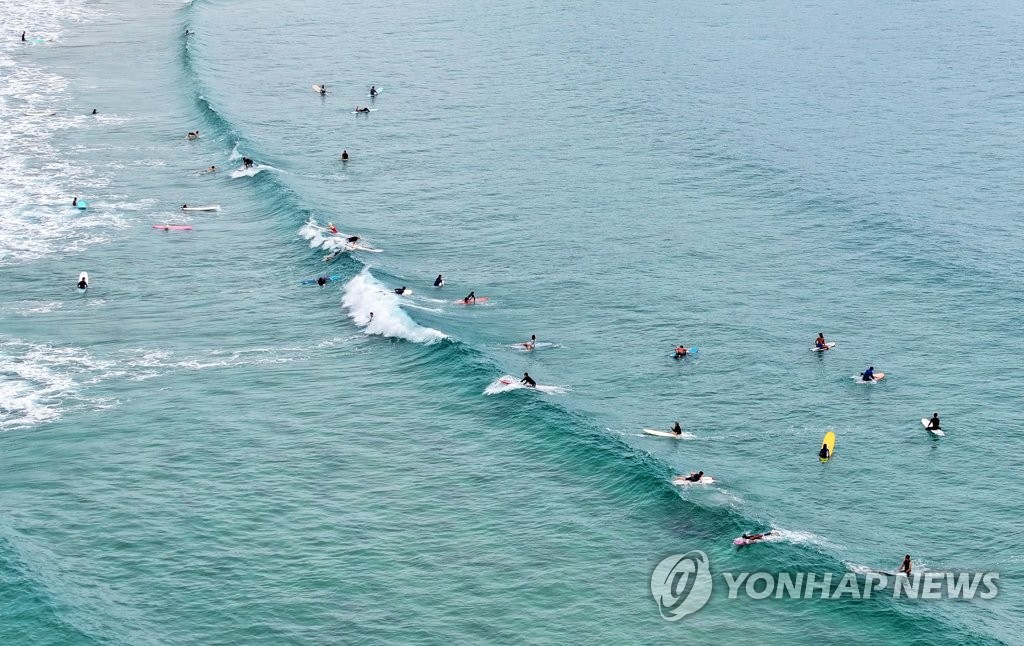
(933, 423)
(532, 343)
(344, 155)
(820, 342)
(824, 453)
(528, 380)
(373, 90)
(471, 298)
(82, 283)
(439, 281)
(677, 429)
(906, 566)
(869, 374)
(680, 352)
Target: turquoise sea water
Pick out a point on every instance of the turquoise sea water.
(201, 450)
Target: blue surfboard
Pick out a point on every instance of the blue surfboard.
(312, 281)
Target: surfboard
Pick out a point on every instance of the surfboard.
(312, 281)
(366, 249)
(830, 441)
(689, 351)
(84, 276)
(82, 205)
(651, 431)
(879, 376)
(828, 346)
(407, 292)
(210, 207)
(682, 481)
(479, 299)
(934, 431)
(741, 541)
(317, 89)
(41, 114)
(172, 227)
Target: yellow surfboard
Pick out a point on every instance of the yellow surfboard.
(828, 441)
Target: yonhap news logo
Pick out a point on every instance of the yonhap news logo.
(681, 585)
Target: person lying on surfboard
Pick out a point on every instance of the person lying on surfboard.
(824, 453)
(331, 228)
(869, 374)
(757, 537)
(358, 109)
(680, 352)
(471, 298)
(694, 477)
(402, 290)
(528, 380)
(677, 429)
(352, 239)
(321, 281)
(933, 423)
(820, 342)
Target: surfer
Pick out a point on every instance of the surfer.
(439, 281)
(677, 429)
(820, 342)
(933, 423)
(331, 228)
(371, 318)
(373, 91)
(192, 135)
(694, 477)
(471, 298)
(344, 155)
(358, 109)
(321, 281)
(680, 352)
(532, 343)
(350, 239)
(528, 380)
(184, 206)
(869, 374)
(246, 162)
(83, 283)
(401, 290)
(94, 111)
(211, 169)
(824, 452)
(74, 202)
(22, 36)
(906, 566)
(756, 537)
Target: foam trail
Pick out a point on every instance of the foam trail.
(364, 294)
(499, 386)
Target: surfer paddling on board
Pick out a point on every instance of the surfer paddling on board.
(439, 281)
(933, 423)
(820, 342)
(868, 375)
(528, 380)
(906, 566)
(470, 298)
(331, 228)
(824, 453)
(401, 291)
(694, 477)
(756, 537)
(323, 90)
(681, 352)
(321, 281)
(358, 109)
(677, 429)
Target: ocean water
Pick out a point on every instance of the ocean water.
(200, 449)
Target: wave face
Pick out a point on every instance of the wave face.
(378, 310)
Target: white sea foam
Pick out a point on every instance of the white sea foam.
(364, 295)
(506, 383)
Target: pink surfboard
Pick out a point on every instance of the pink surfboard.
(479, 299)
(172, 227)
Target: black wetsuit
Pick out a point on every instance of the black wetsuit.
(438, 281)
(82, 284)
(529, 382)
(823, 453)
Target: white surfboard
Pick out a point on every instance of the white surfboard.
(407, 292)
(828, 346)
(651, 431)
(83, 276)
(209, 207)
(934, 431)
(318, 89)
(682, 481)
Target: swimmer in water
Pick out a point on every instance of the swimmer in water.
(358, 109)
(331, 228)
